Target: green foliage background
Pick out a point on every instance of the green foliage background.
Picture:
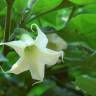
(72, 20)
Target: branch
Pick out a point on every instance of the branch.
(63, 4)
(8, 23)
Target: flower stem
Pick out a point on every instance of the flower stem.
(8, 22)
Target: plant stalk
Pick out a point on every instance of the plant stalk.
(8, 23)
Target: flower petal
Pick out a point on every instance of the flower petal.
(36, 67)
(50, 57)
(18, 46)
(27, 38)
(37, 71)
(20, 66)
(44, 55)
(41, 40)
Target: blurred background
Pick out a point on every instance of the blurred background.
(70, 25)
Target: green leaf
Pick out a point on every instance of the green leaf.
(89, 65)
(58, 16)
(90, 8)
(85, 25)
(20, 5)
(87, 84)
(2, 8)
(2, 4)
(87, 9)
(81, 28)
(83, 1)
(45, 5)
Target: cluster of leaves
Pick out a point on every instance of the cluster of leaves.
(75, 22)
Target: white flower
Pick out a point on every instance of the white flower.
(33, 55)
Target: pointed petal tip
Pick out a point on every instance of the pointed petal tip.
(41, 39)
(39, 78)
(2, 43)
(38, 82)
(35, 25)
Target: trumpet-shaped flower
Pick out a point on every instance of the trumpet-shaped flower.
(33, 55)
